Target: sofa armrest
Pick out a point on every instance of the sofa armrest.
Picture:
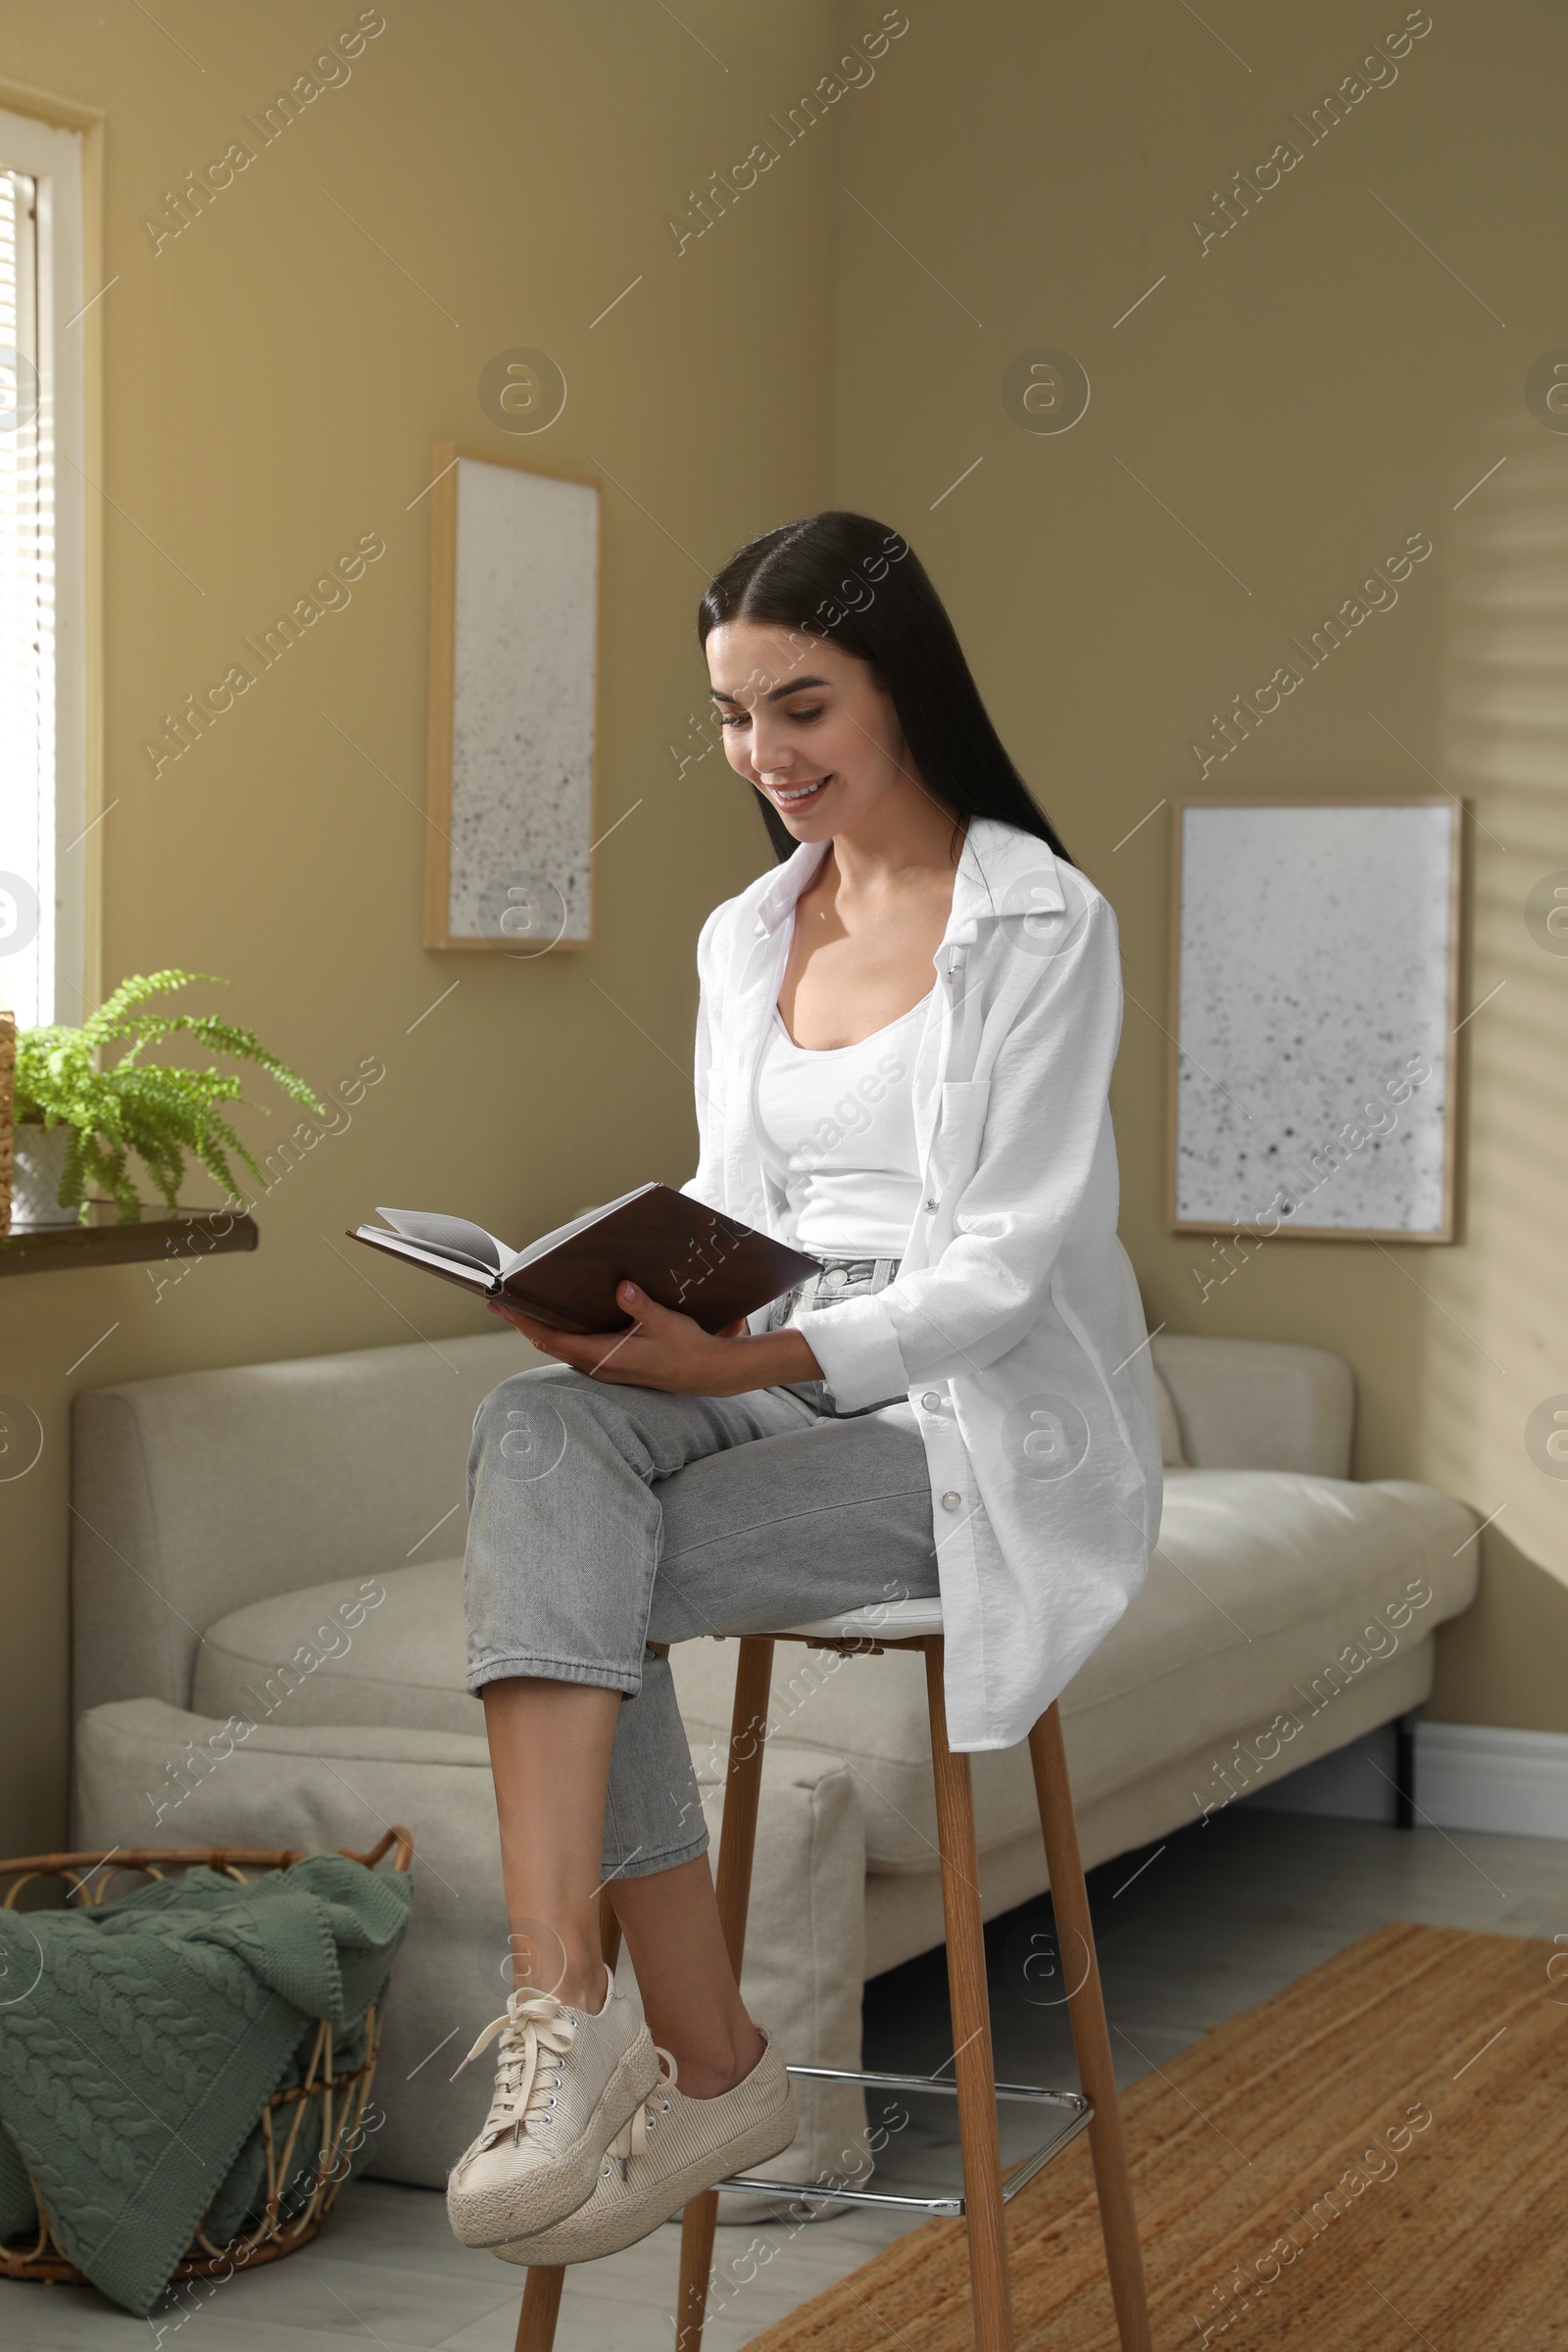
(1259, 1405)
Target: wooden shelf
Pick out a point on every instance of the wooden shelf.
(160, 1233)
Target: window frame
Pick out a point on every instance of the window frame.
(58, 143)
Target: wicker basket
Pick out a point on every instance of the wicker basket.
(323, 2112)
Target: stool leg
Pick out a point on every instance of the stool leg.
(1086, 2010)
(990, 2285)
(541, 2289)
(697, 2223)
(742, 1786)
(737, 1841)
(541, 2307)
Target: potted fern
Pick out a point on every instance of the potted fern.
(77, 1123)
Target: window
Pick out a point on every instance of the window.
(44, 822)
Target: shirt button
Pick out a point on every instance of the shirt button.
(932, 1402)
(951, 1500)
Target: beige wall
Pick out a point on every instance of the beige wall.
(1300, 395)
(1303, 395)
(272, 386)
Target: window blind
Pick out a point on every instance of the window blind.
(28, 879)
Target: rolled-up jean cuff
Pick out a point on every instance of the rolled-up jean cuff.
(646, 1866)
(553, 1670)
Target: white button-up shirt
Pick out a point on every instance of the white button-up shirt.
(1014, 1325)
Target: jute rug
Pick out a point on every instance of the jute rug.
(1373, 2161)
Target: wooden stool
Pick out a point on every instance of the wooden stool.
(917, 1625)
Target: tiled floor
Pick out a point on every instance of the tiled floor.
(1220, 1917)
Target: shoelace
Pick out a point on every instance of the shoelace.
(632, 2138)
(534, 2028)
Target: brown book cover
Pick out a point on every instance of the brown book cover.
(684, 1255)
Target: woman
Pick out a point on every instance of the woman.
(905, 1044)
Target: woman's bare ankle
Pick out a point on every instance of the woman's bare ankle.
(585, 1989)
(580, 1984)
(710, 2073)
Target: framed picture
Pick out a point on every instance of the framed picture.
(1315, 995)
(514, 678)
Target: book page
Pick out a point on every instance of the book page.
(450, 1236)
(440, 1261)
(514, 1260)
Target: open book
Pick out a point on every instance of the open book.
(681, 1252)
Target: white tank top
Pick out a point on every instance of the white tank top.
(837, 1130)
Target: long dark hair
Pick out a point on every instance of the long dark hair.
(844, 578)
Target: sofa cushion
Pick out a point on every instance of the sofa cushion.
(1259, 1581)
(149, 1774)
(1258, 1404)
(1265, 1589)
(385, 1650)
(196, 1494)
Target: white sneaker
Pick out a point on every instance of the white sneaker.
(672, 2148)
(565, 2083)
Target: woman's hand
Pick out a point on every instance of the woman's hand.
(668, 1350)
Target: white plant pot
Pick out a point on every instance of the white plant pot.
(38, 1164)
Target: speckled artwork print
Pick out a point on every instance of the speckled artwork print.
(1314, 959)
(522, 725)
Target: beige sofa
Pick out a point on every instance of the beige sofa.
(268, 1649)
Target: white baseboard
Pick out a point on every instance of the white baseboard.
(1468, 1776)
(1474, 1776)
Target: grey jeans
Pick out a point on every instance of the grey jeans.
(608, 1518)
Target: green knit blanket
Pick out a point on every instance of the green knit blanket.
(139, 2042)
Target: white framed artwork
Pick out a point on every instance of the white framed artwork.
(1314, 987)
(514, 683)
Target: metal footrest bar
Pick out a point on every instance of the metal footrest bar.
(1075, 2111)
